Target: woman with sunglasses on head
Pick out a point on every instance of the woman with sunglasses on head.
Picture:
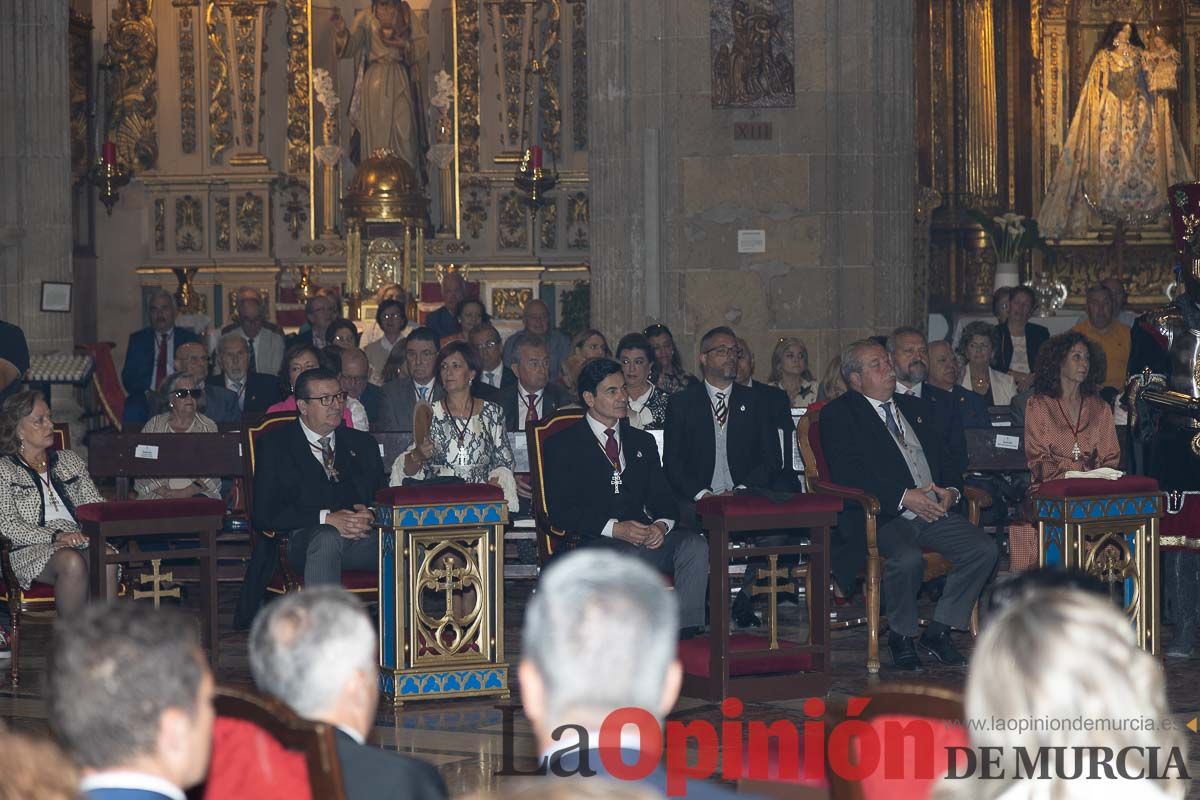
(183, 397)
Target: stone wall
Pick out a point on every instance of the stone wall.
(832, 188)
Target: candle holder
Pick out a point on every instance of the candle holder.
(534, 181)
(108, 177)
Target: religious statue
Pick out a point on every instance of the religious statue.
(388, 45)
(1120, 155)
(752, 59)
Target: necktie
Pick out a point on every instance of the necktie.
(237, 388)
(531, 416)
(160, 362)
(253, 367)
(327, 456)
(892, 425)
(721, 409)
(487, 378)
(612, 449)
(422, 392)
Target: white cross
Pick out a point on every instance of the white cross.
(616, 481)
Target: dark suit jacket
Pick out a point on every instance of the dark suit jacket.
(398, 402)
(372, 400)
(947, 414)
(861, 453)
(779, 412)
(1035, 336)
(262, 392)
(372, 773)
(972, 407)
(553, 398)
(578, 475)
(138, 372)
(491, 393)
(220, 404)
(443, 323)
(690, 443)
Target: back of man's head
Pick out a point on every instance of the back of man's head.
(305, 647)
(129, 686)
(601, 634)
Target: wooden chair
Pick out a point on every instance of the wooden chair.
(315, 741)
(364, 583)
(808, 437)
(887, 706)
(550, 540)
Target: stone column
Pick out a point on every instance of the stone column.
(35, 162)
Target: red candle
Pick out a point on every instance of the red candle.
(109, 151)
(535, 157)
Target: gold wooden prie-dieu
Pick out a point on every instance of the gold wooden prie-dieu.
(441, 595)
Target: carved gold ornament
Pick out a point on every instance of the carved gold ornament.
(220, 125)
(133, 48)
(466, 17)
(187, 75)
(1196, 444)
(510, 303)
(298, 87)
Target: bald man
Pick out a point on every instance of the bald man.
(444, 321)
(537, 323)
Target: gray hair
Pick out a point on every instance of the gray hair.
(172, 383)
(304, 647)
(852, 363)
(229, 339)
(903, 330)
(601, 632)
(529, 342)
(157, 293)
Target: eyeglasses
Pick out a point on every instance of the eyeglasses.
(724, 351)
(392, 315)
(487, 346)
(195, 394)
(354, 378)
(328, 399)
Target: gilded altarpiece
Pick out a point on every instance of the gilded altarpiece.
(998, 82)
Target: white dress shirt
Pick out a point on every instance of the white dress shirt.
(314, 447)
(131, 780)
(238, 387)
(523, 404)
(914, 390)
(598, 430)
(353, 734)
(494, 377)
(712, 401)
(428, 387)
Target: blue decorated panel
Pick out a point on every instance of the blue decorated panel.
(387, 598)
(434, 516)
(445, 683)
(1053, 544)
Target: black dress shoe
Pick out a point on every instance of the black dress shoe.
(743, 612)
(904, 655)
(940, 647)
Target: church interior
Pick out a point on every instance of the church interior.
(871, 299)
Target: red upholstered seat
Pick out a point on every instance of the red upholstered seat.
(36, 592)
(248, 763)
(439, 493)
(752, 505)
(695, 657)
(132, 510)
(1097, 487)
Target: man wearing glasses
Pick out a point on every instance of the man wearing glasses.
(494, 376)
(315, 480)
(400, 396)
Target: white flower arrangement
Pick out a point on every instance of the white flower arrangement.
(443, 90)
(322, 84)
(1010, 235)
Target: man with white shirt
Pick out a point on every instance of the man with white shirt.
(316, 651)
(130, 700)
(255, 392)
(597, 639)
(494, 375)
(605, 485)
(885, 444)
(315, 479)
(910, 357)
(150, 355)
(400, 396)
(264, 344)
(530, 397)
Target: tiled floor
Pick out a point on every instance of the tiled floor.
(466, 739)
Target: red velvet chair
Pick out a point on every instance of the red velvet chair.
(364, 583)
(107, 381)
(808, 438)
(550, 540)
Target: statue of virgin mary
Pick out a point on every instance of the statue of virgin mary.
(1119, 157)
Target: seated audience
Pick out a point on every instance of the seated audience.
(444, 321)
(647, 403)
(220, 404)
(255, 391)
(130, 699)
(374, 331)
(1121, 310)
(314, 478)
(669, 374)
(979, 376)
(494, 374)
(878, 441)
(1000, 300)
(466, 438)
(391, 320)
(354, 380)
(43, 487)
(943, 375)
(342, 333)
(790, 372)
(778, 410)
(35, 768)
(150, 355)
(183, 398)
(400, 396)
(1112, 335)
(322, 309)
(1065, 655)
(1068, 426)
(585, 345)
(537, 323)
(470, 315)
(264, 343)
(315, 652)
(300, 358)
(14, 359)
(598, 638)
(1018, 339)
(530, 398)
(832, 384)
(396, 366)
(910, 358)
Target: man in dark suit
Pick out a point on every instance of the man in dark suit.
(910, 358)
(604, 483)
(150, 355)
(355, 371)
(597, 643)
(315, 651)
(255, 392)
(316, 479)
(220, 404)
(944, 376)
(444, 321)
(321, 309)
(493, 375)
(779, 412)
(530, 397)
(145, 731)
(888, 445)
(400, 396)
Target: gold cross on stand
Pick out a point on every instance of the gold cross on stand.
(156, 579)
(452, 577)
(772, 589)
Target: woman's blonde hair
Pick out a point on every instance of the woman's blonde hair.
(35, 767)
(777, 359)
(1055, 658)
(833, 385)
